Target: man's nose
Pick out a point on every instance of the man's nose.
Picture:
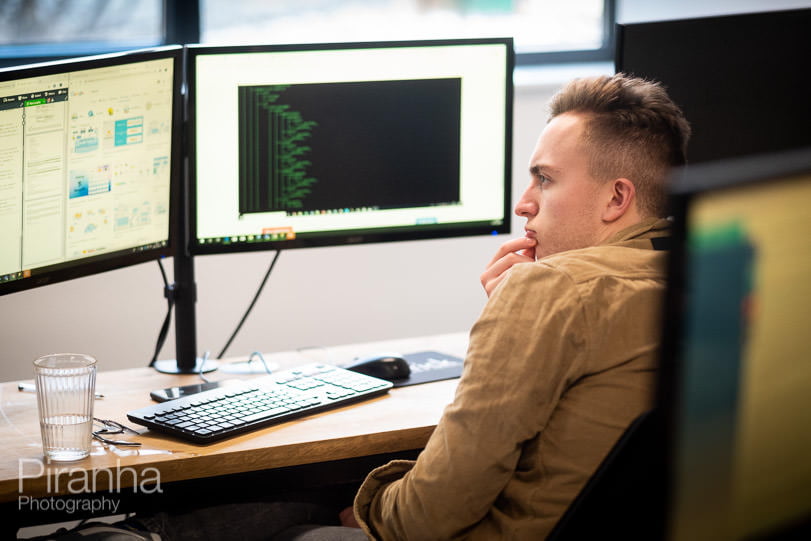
(526, 207)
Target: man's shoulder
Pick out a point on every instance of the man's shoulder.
(595, 262)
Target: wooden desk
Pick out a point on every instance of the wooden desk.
(401, 420)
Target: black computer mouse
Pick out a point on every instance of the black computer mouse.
(388, 367)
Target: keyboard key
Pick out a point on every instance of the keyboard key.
(266, 414)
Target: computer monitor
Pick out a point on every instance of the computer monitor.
(294, 146)
(736, 371)
(89, 159)
(742, 80)
(331, 144)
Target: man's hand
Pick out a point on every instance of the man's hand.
(347, 517)
(511, 252)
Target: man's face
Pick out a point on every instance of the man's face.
(562, 203)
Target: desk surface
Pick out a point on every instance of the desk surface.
(401, 420)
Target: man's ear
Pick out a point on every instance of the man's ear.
(622, 199)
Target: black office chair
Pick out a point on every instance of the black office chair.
(625, 497)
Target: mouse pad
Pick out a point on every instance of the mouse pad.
(427, 366)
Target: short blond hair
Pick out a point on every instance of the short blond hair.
(634, 130)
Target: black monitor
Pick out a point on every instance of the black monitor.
(331, 144)
(89, 161)
(742, 80)
(294, 146)
(736, 373)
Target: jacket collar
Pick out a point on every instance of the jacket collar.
(647, 229)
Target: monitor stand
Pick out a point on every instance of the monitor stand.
(171, 366)
(184, 296)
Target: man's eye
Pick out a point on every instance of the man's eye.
(542, 179)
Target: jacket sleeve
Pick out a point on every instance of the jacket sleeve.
(523, 352)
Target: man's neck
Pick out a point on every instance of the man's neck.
(610, 229)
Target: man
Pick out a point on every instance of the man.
(562, 358)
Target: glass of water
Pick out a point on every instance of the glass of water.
(66, 384)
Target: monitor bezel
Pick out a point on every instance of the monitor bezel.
(352, 237)
(686, 184)
(89, 266)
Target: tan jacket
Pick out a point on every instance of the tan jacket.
(560, 362)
